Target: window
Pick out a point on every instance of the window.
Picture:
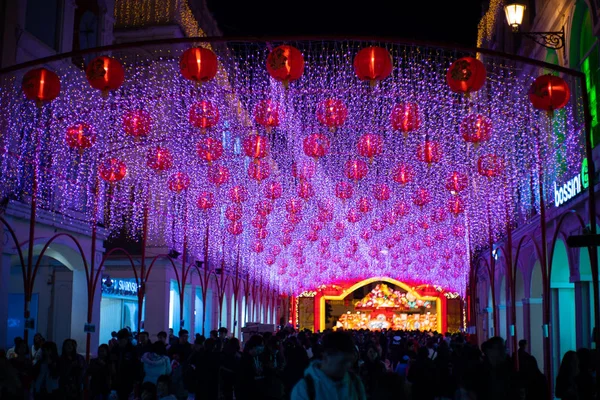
(42, 19)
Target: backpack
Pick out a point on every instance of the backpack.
(312, 393)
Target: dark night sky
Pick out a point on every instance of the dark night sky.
(448, 21)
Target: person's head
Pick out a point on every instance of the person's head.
(210, 345)
(148, 391)
(113, 335)
(171, 333)
(38, 340)
(162, 336)
(255, 346)
(183, 336)
(569, 365)
(159, 348)
(214, 334)
(495, 350)
(17, 340)
(68, 348)
(21, 348)
(143, 338)
(339, 353)
(163, 386)
(222, 332)
(49, 351)
(372, 353)
(199, 341)
(123, 337)
(232, 346)
(103, 351)
(523, 344)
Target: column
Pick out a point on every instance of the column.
(157, 302)
(582, 314)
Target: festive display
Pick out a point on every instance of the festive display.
(466, 75)
(105, 73)
(373, 64)
(112, 170)
(405, 117)
(549, 93)
(476, 128)
(316, 145)
(137, 123)
(198, 64)
(40, 85)
(80, 137)
(285, 64)
(332, 113)
(159, 159)
(203, 115)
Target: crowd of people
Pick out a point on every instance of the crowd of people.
(353, 365)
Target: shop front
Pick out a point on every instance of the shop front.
(118, 307)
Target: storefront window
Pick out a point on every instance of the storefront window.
(118, 307)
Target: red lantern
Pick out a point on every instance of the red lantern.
(370, 145)
(490, 165)
(429, 152)
(259, 170)
(366, 234)
(377, 225)
(285, 64)
(286, 240)
(293, 205)
(316, 145)
(159, 159)
(476, 128)
(305, 190)
(266, 114)
(423, 222)
(549, 93)
(105, 73)
(303, 170)
(40, 85)
(137, 123)
(262, 234)
(456, 182)
(390, 217)
(401, 208)
(234, 212)
(332, 113)
(421, 197)
(203, 115)
(344, 190)
(294, 218)
(356, 169)
(209, 149)
(466, 75)
(405, 117)
(112, 170)
(235, 228)
(439, 215)
(179, 181)
(403, 173)
(312, 236)
(364, 205)
(273, 191)
(456, 206)
(325, 215)
(354, 215)
(256, 146)
(458, 230)
(373, 64)
(206, 201)
(218, 175)
(264, 207)
(381, 192)
(238, 194)
(198, 64)
(257, 246)
(259, 222)
(80, 136)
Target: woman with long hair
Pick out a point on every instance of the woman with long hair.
(100, 374)
(46, 373)
(566, 383)
(72, 370)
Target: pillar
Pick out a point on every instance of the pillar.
(582, 314)
(157, 302)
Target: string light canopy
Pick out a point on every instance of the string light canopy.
(320, 179)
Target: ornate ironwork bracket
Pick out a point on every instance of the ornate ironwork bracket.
(550, 40)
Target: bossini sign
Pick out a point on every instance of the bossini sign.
(572, 187)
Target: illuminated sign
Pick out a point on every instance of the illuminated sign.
(121, 287)
(572, 187)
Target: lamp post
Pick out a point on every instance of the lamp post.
(514, 17)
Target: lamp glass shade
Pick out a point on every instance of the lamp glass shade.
(514, 14)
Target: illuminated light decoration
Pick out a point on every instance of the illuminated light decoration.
(304, 170)
(438, 215)
(294, 218)
(235, 228)
(354, 215)
(405, 117)
(266, 114)
(203, 115)
(273, 191)
(466, 75)
(423, 222)
(381, 192)
(238, 194)
(422, 197)
(316, 145)
(198, 64)
(285, 64)
(476, 128)
(429, 152)
(390, 217)
(264, 207)
(218, 175)
(40, 85)
(112, 170)
(256, 146)
(178, 182)
(305, 190)
(490, 165)
(257, 246)
(105, 74)
(294, 205)
(356, 169)
(234, 212)
(373, 64)
(137, 123)
(206, 201)
(403, 173)
(377, 224)
(364, 205)
(259, 170)
(458, 230)
(316, 225)
(456, 182)
(332, 113)
(390, 242)
(325, 216)
(366, 234)
(262, 234)
(344, 190)
(276, 250)
(429, 242)
(370, 145)
(159, 159)
(397, 236)
(80, 136)
(209, 149)
(259, 222)
(549, 93)
(456, 206)
(312, 236)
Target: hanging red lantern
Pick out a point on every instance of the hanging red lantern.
(262, 234)
(423, 222)
(332, 113)
(456, 182)
(259, 221)
(403, 173)
(209, 149)
(458, 230)
(354, 215)
(198, 64)
(273, 191)
(304, 170)
(325, 216)
(159, 159)
(490, 165)
(377, 225)
(234, 212)
(549, 93)
(218, 175)
(316, 145)
(285, 64)
(316, 225)
(370, 145)
(466, 75)
(203, 115)
(238, 194)
(286, 240)
(373, 64)
(421, 197)
(476, 128)
(405, 117)
(438, 215)
(356, 169)
(235, 228)
(259, 170)
(206, 201)
(456, 206)
(266, 114)
(429, 152)
(264, 207)
(381, 192)
(305, 190)
(179, 182)
(366, 234)
(256, 146)
(293, 205)
(365, 205)
(80, 136)
(105, 73)
(294, 218)
(390, 217)
(137, 123)
(257, 246)
(344, 190)
(40, 85)
(312, 236)
(112, 170)
(401, 208)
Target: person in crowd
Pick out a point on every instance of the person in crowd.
(162, 337)
(46, 373)
(273, 362)
(10, 387)
(182, 348)
(297, 361)
(100, 372)
(420, 375)
(72, 370)
(586, 381)
(329, 378)
(172, 338)
(125, 364)
(206, 367)
(402, 367)
(222, 338)
(251, 378)
(156, 363)
(113, 340)
(24, 367)
(371, 369)
(566, 380)
(230, 365)
(36, 348)
(163, 388)
(148, 391)
(214, 334)
(532, 380)
(495, 378)
(144, 344)
(12, 352)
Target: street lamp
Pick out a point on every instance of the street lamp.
(514, 17)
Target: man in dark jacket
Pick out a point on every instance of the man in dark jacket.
(125, 364)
